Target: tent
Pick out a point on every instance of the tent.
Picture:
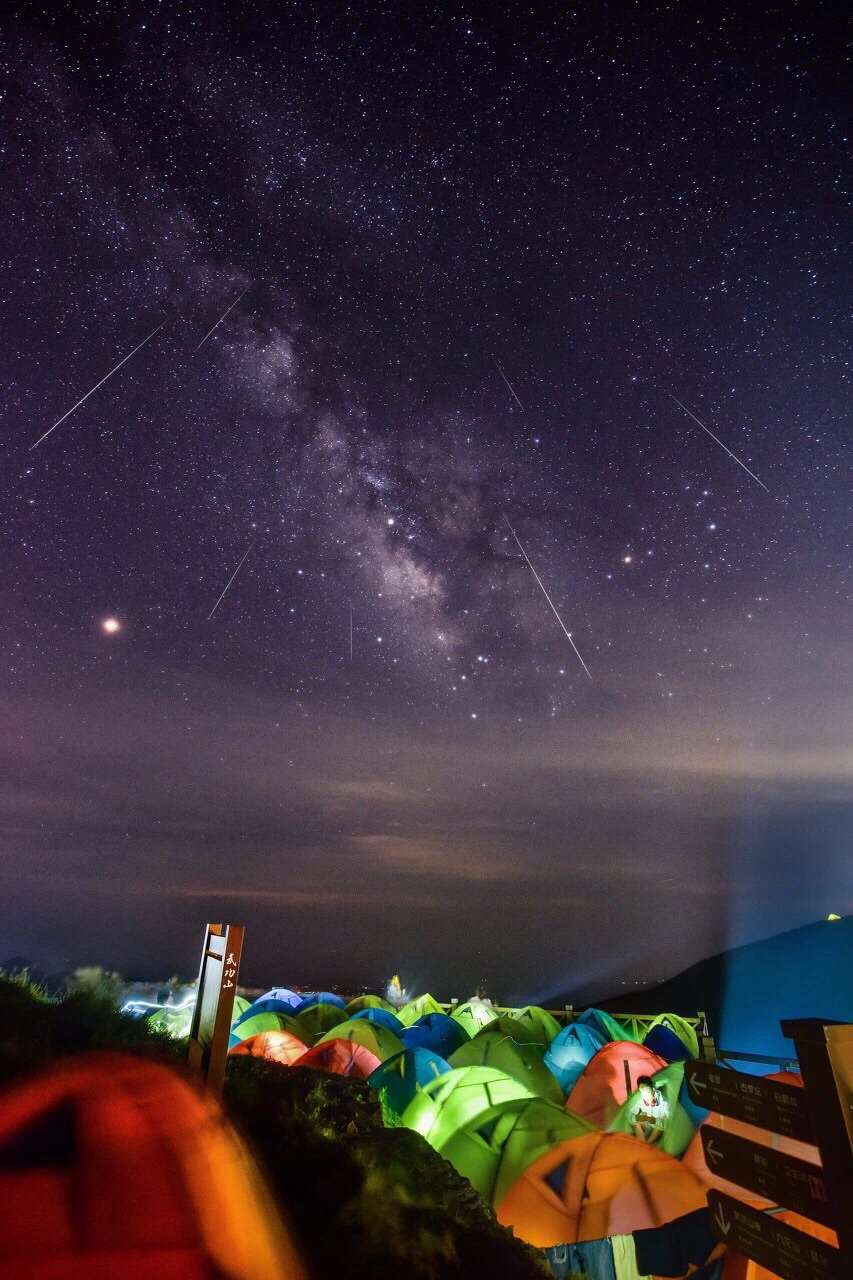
(473, 1015)
(247, 1027)
(383, 1019)
(491, 1048)
(399, 1078)
(598, 1185)
(269, 1004)
(278, 1046)
(435, 1031)
(513, 1029)
(684, 1116)
(378, 1039)
(605, 1023)
(341, 1058)
(462, 1097)
(317, 1019)
(571, 1051)
(319, 997)
(173, 1021)
(281, 993)
(607, 1079)
(542, 1024)
(659, 1036)
(112, 1165)
(369, 1002)
(241, 1004)
(416, 1009)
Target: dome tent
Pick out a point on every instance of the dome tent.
(435, 1031)
(276, 1046)
(369, 1002)
(513, 1029)
(284, 994)
(658, 1038)
(684, 1116)
(473, 1015)
(399, 1078)
(543, 1025)
(247, 1027)
(490, 1048)
(571, 1051)
(383, 1019)
(241, 1004)
(378, 1039)
(416, 1009)
(595, 1186)
(340, 1058)
(605, 1023)
(607, 1079)
(462, 1097)
(317, 1019)
(146, 1178)
(312, 998)
(175, 1022)
(268, 1004)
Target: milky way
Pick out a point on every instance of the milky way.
(371, 236)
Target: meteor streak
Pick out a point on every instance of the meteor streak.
(98, 384)
(548, 598)
(509, 385)
(221, 318)
(230, 580)
(720, 443)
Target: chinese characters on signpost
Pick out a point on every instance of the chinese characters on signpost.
(217, 986)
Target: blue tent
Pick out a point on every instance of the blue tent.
(320, 997)
(399, 1078)
(570, 1051)
(265, 1005)
(604, 1023)
(435, 1031)
(666, 1044)
(284, 994)
(382, 1017)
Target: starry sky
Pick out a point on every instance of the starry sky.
(481, 266)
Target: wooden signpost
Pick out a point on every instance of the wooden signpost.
(820, 1113)
(214, 1006)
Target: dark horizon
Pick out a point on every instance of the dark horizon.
(438, 291)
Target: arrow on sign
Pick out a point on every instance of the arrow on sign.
(712, 1152)
(697, 1084)
(722, 1222)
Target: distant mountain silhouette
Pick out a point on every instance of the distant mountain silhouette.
(804, 973)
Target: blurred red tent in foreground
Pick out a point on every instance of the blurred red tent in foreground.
(341, 1058)
(598, 1185)
(279, 1046)
(112, 1166)
(609, 1078)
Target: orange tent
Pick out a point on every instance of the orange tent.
(601, 1184)
(112, 1165)
(609, 1078)
(279, 1046)
(341, 1058)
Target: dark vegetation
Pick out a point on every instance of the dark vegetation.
(362, 1199)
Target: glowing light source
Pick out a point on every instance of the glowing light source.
(110, 626)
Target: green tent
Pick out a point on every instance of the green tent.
(368, 1002)
(266, 1022)
(491, 1047)
(418, 1008)
(460, 1100)
(544, 1025)
(174, 1022)
(241, 1004)
(684, 1116)
(371, 1035)
(608, 1026)
(499, 1152)
(473, 1015)
(680, 1028)
(317, 1019)
(514, 1029)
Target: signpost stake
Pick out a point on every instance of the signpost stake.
(214, 1006)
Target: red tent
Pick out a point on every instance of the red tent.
(112, 1166)
(609, 1078)
(279, 1046)
(342, 1058)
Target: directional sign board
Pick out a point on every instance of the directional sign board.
(756, 1234)
(781, 1179)
(765, 1103)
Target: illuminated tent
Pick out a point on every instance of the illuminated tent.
(571, 1051)
(313, 1022)
(382, 1018)
(369, 1002)
(491, 1048)
(174, 1022)
(473, 1015)
(378, 1039)
(543, 1025)
(607, 1079)
(684, 1116)
(435, 1031)
(416, 1009)
(278, 1046)
(603, 1022)
(241, 1004)
(319, 997)
(399, 1078)
(595, 1186)
(340, 1058)
(520, 1032)
(284, 994)
(114, 1166)
(267, 1005)
(247, 1027)
(463, 1098)
(665, 1028)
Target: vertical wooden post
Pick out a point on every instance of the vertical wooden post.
(214, 1006)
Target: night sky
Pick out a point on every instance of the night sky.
(471, 253)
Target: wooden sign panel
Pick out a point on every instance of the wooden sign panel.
(765, 1103)
(791, 1254)
(784, 1180)
(217, 986)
